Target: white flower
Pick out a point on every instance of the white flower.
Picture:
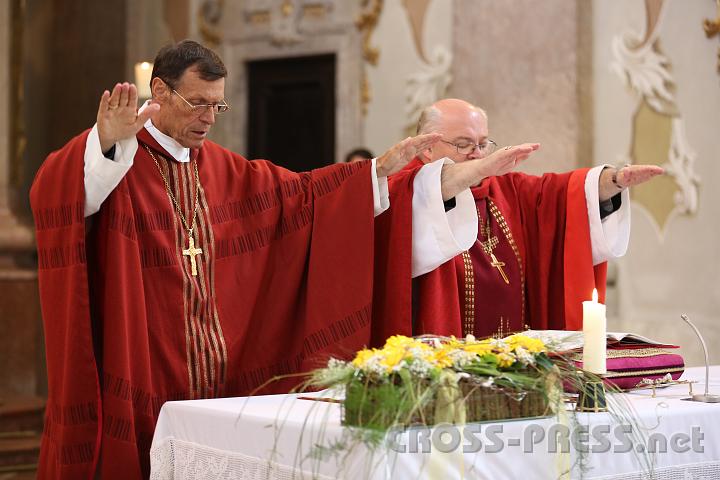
(461, 358)
(335, 363)
(524, 356)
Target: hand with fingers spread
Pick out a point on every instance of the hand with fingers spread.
(118, 118)
(504, 160)
(400, 154)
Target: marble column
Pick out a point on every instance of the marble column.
(20, 344)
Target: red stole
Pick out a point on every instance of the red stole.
(492, 276)
(547, 219)
(129, 327)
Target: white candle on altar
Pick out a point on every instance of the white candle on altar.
(143, 72)
(595, 335)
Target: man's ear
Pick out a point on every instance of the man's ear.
(426, 155)
(160, 89)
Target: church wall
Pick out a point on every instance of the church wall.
(672, 265)
(414, 40)
(274, 29)
(528, 65)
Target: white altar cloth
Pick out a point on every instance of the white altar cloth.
(283, 437)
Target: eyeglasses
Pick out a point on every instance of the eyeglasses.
(466, 148)
(217, 108)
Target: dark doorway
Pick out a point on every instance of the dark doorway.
(291, 111)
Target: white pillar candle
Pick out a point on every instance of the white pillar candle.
(143, 72)
(595, 335)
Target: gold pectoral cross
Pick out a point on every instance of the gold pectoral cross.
(193, 252)
(499, 265)
(489, 245)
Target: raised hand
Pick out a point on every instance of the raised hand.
(118, 118)
(400, 154)
(504, 160)
(614, 181)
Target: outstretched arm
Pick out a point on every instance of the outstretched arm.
(460, 176)
(400, 154)
(613, 181)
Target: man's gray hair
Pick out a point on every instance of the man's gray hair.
(430, 119)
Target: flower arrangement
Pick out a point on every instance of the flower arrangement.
(432, 380)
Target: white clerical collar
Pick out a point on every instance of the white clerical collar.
(171, 146)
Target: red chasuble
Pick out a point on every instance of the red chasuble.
(531, 266)
(127, 324)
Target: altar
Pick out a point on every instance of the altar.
(301, 436)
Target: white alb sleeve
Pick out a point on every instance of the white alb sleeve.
(102, 175)
(437, 235)
(381, 194)
(610, 236)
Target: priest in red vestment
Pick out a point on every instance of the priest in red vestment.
(171, 268)
(542, 241)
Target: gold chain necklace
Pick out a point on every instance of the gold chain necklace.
(191, 251)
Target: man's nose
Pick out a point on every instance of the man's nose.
(208, 116)
(476, 153)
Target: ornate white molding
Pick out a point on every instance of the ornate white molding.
(286, 22)
(643, 69)
(681, 165)
(428, 85)
(646, 71)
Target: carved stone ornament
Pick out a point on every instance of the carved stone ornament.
(658, 128)
(283, 20)
(208, 18)
(431, 83)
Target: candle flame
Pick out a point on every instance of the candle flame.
(145, 66)
(595, 295)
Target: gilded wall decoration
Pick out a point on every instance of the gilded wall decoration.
(366, 23)
(712, 29)
(658, 128)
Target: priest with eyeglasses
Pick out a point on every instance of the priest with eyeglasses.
(171, 268)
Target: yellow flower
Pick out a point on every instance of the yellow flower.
(362, 357)
(392, 357)
(441, 357)
(400, 341)
(479, 348)
(505, 359)
(532, 345)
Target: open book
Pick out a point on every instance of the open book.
(569, 340)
